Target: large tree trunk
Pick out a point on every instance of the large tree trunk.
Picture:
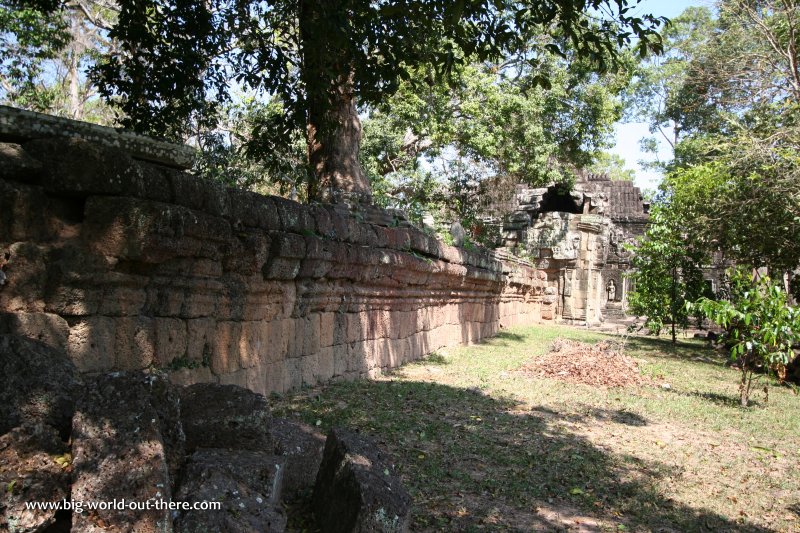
(334, 129)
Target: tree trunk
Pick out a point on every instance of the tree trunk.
(74, 102)
(673, 311)
(744, 389)
(334, 129)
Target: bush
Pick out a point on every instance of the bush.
(760, 325)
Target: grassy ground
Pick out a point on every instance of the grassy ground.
(484, 448)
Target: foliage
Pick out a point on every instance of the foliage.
(28, 37)
(744, 204)
(458, 147)
(666, 272)
(727, 98)
(659, 93)
(613, 166)
(45, 57)
(379, 40)
(761, 327)
(227, 155)
(316, 56)
(729, 75)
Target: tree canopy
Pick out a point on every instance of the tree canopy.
(178, 60)
(725, 98)
(727, 88)
(44, 57)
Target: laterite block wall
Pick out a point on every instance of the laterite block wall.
(128, 264)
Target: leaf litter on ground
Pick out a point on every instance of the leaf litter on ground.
(600, 364)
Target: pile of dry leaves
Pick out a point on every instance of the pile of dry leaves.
(576, 362)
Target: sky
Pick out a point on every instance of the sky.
(628, 134)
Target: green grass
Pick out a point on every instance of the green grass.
(483, 447)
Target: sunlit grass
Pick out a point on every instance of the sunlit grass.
(484, 447)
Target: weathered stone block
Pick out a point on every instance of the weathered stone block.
(301, 447)
(356, 488)
(73, 301)
(254, 344)
(152, 232)
(248, 484)
(48, 328)
(29, 473)
(165, 399)
(279, 268)
(322, 221)
(310, 331)
(171, 340)
(238, 378)
(200, 339)
(230, 303)
(276, 378)
(338, 224)
(341, 353)
(224, 416)
(38, 385)
(164, 300)
(249, 251)
(134, 343)
(295, 218)
(26, 213)
(25, 269)
(309, 365)
(293, 374)
(225, 350)
(199, 304)
(91, 343)
(357, 327)
(77, 166)
(327, 327)
(17, 165)
(326, 368)
(357, 354)
(118, 452)
(200, 194)
(254, 210)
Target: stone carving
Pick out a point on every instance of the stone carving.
(611, 290)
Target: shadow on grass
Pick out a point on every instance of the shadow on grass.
(724, 400)
(506, 336)
(618, 416)
(474, 462)
(685, 350)
(436, 358)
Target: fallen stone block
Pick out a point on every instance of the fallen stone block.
(34, 467)
(38, 385)
(246, 483)
(301, 446)
(165, 399)
(356, 488)
(119, 454)
(224, 416)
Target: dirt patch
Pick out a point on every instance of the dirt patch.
(591, 364)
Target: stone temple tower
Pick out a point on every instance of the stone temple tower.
(578, 238)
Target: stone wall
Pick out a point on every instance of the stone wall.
(129, 264)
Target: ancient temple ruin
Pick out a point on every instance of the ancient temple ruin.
(578, 237)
